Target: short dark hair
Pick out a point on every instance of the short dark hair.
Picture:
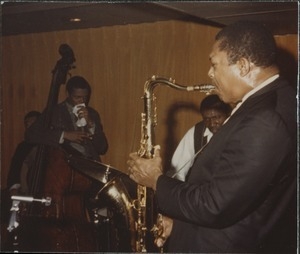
(77, 82)
(32, 113)
(250, 40)
(214, 102)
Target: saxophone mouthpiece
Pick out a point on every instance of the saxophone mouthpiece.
(205, 88)
(192, 88)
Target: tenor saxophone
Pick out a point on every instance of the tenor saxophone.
(146, 150)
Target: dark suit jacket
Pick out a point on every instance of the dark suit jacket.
(241, 183)
(61, 121)
(21, 152)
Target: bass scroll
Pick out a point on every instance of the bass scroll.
(144, 204)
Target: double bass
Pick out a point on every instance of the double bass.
(63, 225)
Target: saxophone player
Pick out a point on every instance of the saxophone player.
(242, 186)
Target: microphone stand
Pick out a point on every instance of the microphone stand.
(14, 221)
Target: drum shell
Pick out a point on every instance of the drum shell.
(117, 197)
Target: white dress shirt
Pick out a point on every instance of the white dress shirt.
(183, 157)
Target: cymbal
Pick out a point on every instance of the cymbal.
(94, 169)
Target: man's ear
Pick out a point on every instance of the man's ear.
(244, 66)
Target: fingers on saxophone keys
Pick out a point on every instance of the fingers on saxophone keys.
(129, 169)
(160, 241)
(130, 164)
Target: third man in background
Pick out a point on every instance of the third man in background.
(214, 112)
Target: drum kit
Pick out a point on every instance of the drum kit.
(109, 212)
(111, 207)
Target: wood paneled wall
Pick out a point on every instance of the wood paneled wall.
(117, 61)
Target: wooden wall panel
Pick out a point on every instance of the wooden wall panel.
(116, 61)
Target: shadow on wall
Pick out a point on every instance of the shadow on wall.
(288, 66)
(170, 141)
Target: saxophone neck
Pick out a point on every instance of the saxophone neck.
(155, 81)
(149, 117)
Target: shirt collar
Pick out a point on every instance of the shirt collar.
(254, 90)
(263, 84)
(207, 133)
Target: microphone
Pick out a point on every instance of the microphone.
(81, 122)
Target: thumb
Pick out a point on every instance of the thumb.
(157, 151)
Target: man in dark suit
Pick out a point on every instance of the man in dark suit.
(74, 125)
(20, 163)
(22, 159)
(214, 112)
(243, 184)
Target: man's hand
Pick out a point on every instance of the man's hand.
(83, 112)
(76, 136)
(145, 171)
(167, 225)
